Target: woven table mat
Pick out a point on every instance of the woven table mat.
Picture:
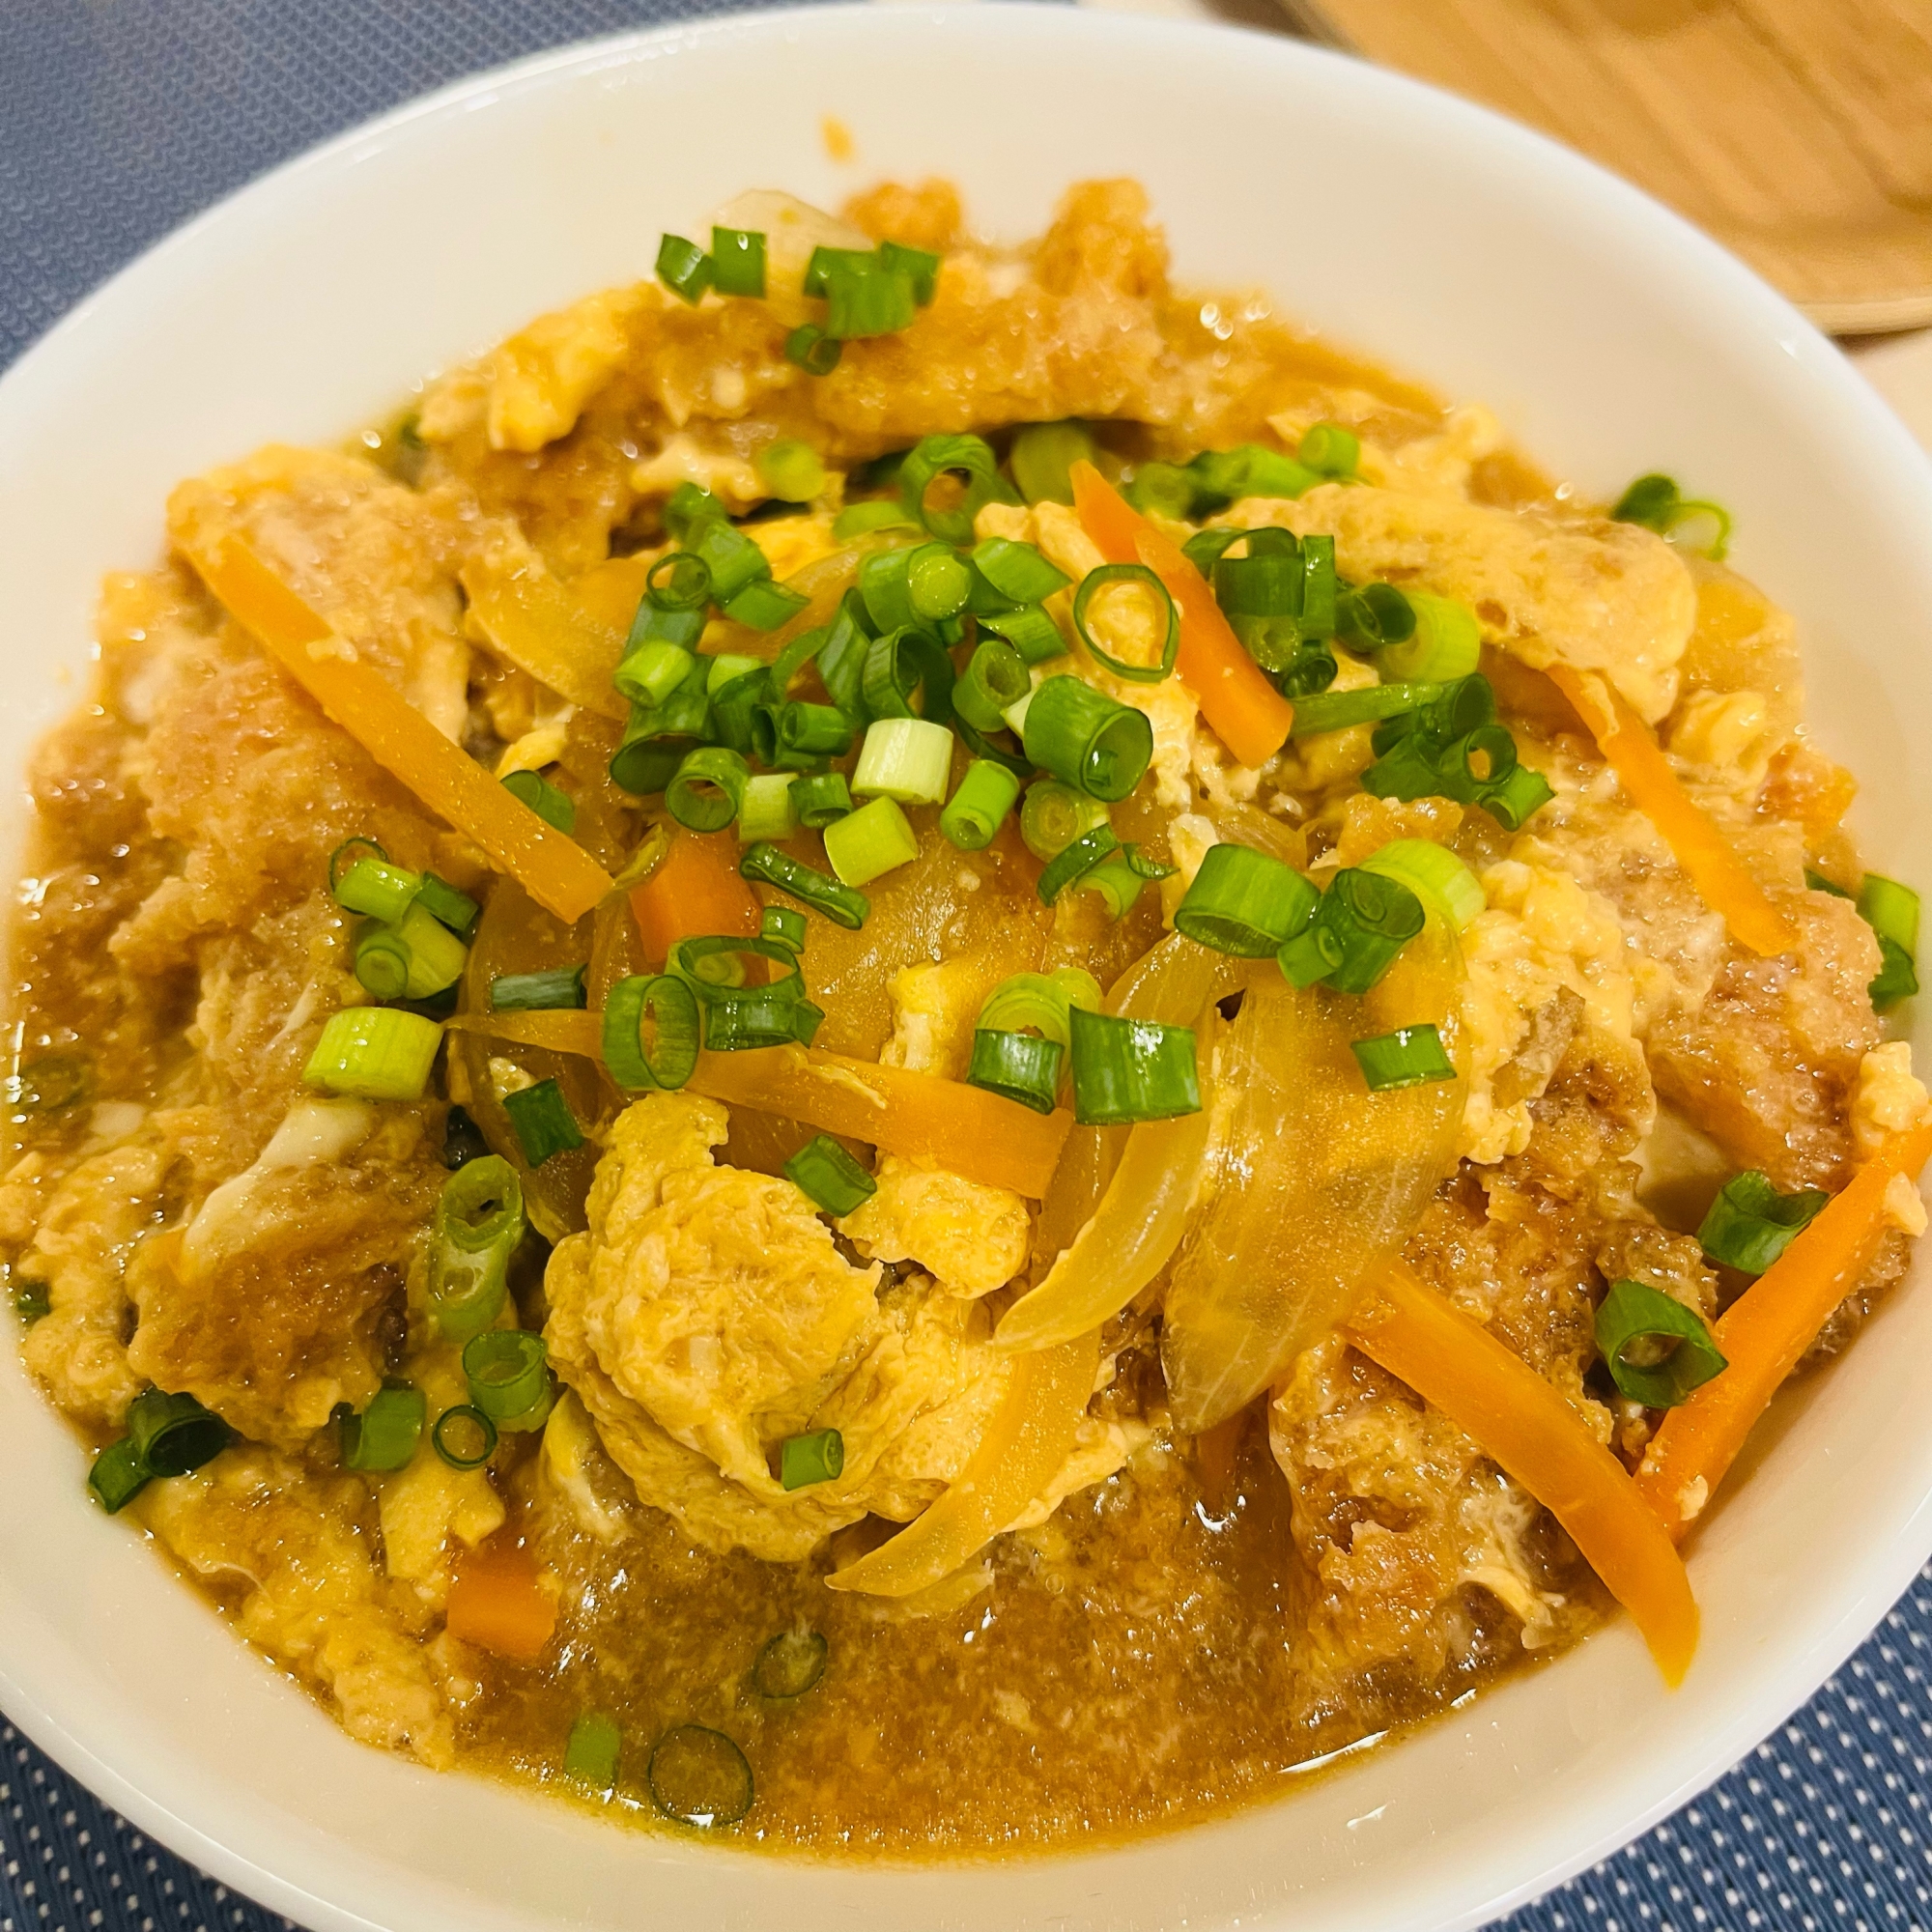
(119, 119)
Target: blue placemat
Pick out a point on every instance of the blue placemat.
(119, 119)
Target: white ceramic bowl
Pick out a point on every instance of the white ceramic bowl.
(1612, 339)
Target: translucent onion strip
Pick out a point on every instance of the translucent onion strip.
(1025, 1447)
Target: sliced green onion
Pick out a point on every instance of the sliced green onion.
(883, 586)
(1373, 616)
(1138, 574)
(118, 1476)
(996, 748)
(1017, 571)
(791, 470)
(343, 859)
(857, 519)
(595, 1745)
(386, 1435)
(1225, 477)
(1053, 815)
(707, 789)
(816, 1458)
(841, 658)
(815, 731)
(763, 606)
(508, 1376)
(829, 1176)
(1682, 1354)
(1085, 738)
(555, 808)
(790, 1664)
(1127, 1069)
(868, 300)
(382, 961)
(1434, 875)
(1117, 879)
(1751, 1223)
(919, 265)
(813, 350)
(1264, 583)
(906, 759)
(1017, 1066)
(670, 1006)
(726, 668)
(1892, 911)
(1164, 490)
(1654, 501)
(765, 811)
(714, 965)
(937, 583)
(933, 457)
(977, 810)
(174, 1435)
(840, 903)
(442, 902)
(820, 799)
(475, 1229)
(903, 663)
(1075, 861)
(1043, 457)
(1043, 1002)
(1245, 902)
(1519, 795)
(869, 842)
(543, 1121)
(1319, 588)
(699, 1776)
(1447, 642)
(1029, 630)
(760, 1016)
(1336, 710)
(738, 262)
(678, 580)
(994, 680)
(1371, 917)
(1330, 449)
(375, 1052)
(375, 886)
(784, 924)
(33, 1302)
(1408, 1056)
(825, 262)
(688, 508)
(436, 956)
(684, 268)
(734, 560)
(537, 992)
(464, 1436)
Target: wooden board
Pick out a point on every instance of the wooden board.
(1797, 131)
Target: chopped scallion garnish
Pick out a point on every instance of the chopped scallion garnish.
(464, 1436)
(840, 903)
(1085, 738)
(553, 807)
(543, 1121)
(508, 1376)
(814, 352)
(1408, 1056)
(1245, 902)
(784, 924)
(375, 886)
(375, 1052)
(765, 811)
(668, 1057)
(699, 1776)
(684, 268)
(815, 1458)
(593, 1748)
(790, 1664)
(1330, 449)
(708, 789)
(1043, 457)
(386, 1435)
(906, 758)
(478, 1225)
(737, 263)
(174, 1435)
(1638, 1319)
(1126, 1070)
(442, 902)
(979, 807)
(1656, 503)
(829, 1176)
(935, 456)
(537, 992)
(1018, 1066)
(1751, 1223)
(820, 799)
(1074, 860)
(869, 842)
(1144, 579)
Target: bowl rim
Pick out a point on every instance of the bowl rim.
(44, 1713)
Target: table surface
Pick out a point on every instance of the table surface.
(121, 118)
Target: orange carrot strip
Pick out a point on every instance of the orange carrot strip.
(1251, 717)
(696, 890)
(1763, 1333)
(498, 1602)
(1521, 1422)
(557, 872)
(919, 1116)
(1709, 861)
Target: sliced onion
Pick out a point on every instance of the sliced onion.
(1314, 1183)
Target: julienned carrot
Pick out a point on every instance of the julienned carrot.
(1248, 714)
(1521, 1423)
(696, 890)
(1710, 863)
(498, 1602)
(1025, 1445)
(557, 872)
(1764, 1332)
(964, 1130)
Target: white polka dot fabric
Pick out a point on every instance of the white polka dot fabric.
(121, 118)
